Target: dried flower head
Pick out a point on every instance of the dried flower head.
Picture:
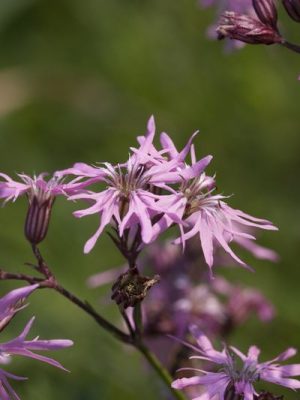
(247, 29)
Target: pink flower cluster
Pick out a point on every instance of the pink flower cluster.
(157, 188)
(142, 197)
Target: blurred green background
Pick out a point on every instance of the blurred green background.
(78, 81)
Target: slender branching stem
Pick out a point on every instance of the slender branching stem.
(134, 338)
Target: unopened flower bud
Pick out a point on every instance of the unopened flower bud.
(246, 29)
(292, 7)
(38, 215)
(131, 288)
(266, 12)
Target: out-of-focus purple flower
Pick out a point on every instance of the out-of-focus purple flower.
(26, 348)
(260, 252)
(13, 302)
(243, 301)
(231, 374)
(185, 295)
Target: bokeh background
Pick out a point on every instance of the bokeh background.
(78, 81)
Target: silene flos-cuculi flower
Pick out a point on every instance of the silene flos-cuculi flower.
(158, 188)
(10, 304)
(41, 194)
(235, 374)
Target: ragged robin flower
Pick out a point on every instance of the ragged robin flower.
(240, 374)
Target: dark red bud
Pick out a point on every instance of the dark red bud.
(292, 7)
(266, 12)
(246, 29)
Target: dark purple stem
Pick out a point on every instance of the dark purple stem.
(291, 46)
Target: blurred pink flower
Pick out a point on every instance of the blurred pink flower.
(231, 374)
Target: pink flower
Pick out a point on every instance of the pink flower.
(207, 216)
(10, 304)
(231, 374)
(41, 195)
(37, 186)
(216, 223)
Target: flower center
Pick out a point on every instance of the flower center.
(129, 180)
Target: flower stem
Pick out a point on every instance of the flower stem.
(161, 371)
(116, 332)
(291, 46)
(134, 339)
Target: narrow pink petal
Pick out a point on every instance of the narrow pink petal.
(13, 297)
(167, 143)
(275, 377)
(290, 370)
(184, 382)
(206, 240)
(144, 218)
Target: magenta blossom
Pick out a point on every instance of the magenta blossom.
(231, 374)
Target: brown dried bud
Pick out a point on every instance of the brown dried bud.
(292, 7)
(266, 12)
(131, 288)
(38, 216)
(246, 29)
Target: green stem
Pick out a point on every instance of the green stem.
(138, 319)
(161, 371)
